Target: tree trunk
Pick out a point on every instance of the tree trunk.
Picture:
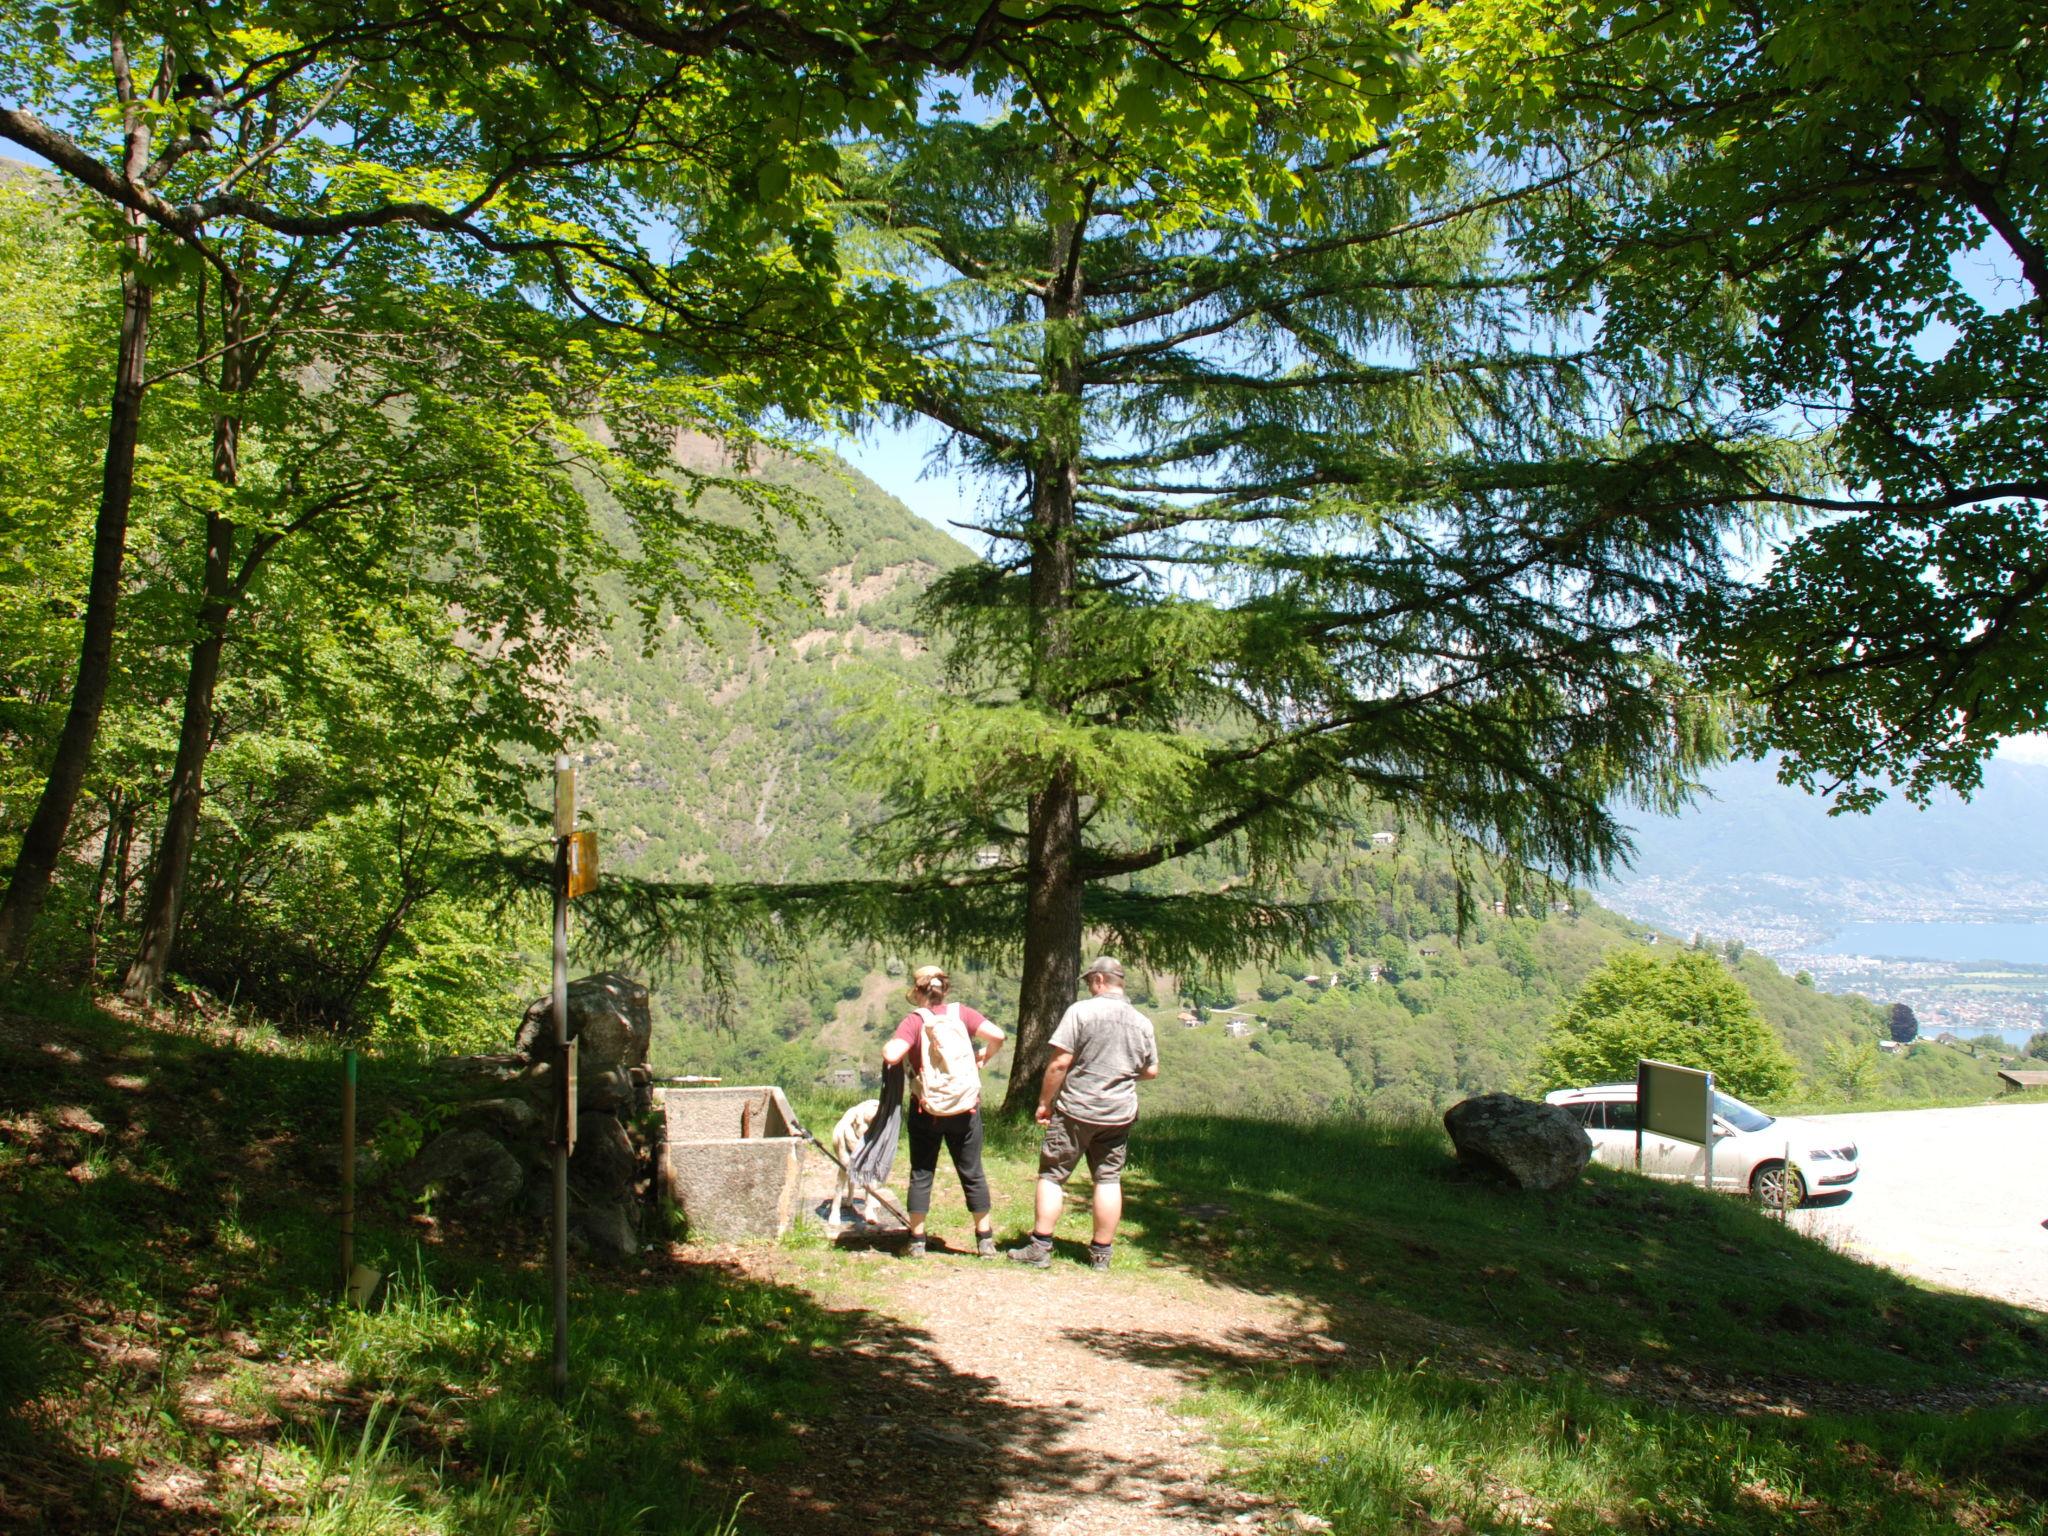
(42, 844)
(97, 907)
(1053, 886)
(219, 590)
(122, 851)
(1052, 936)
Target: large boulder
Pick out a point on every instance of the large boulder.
(1535, 1146)
(609, 1228)
(608, 1020)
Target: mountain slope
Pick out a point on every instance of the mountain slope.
(727, 758)
(721, 760)
(1754, 852)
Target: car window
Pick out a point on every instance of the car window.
(1621, 1114)
(1586, 1112)
(1742, 1116)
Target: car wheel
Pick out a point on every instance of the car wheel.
(1774, 1186)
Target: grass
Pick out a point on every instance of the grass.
(1623, 1271)
(1416, 1450)
(1887, 1103)
(170, 1358)
(1634, 1356)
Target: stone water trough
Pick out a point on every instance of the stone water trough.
(733, 1160)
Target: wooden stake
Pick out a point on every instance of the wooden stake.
(348, 1173)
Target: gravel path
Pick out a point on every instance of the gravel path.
(990, 1397)
(1953, 1196)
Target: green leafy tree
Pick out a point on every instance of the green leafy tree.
(1866, 186)
(1686, 1009)
(1904, 1024)
(1852, 1064)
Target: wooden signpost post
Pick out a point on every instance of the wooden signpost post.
(575, 875)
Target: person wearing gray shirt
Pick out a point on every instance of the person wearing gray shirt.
(1087, 1103)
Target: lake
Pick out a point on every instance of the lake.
(2014, 1036)
(2014, 943)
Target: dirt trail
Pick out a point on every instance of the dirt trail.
(985, 1396)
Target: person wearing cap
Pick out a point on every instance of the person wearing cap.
(1087, 1102)
(945, 1046)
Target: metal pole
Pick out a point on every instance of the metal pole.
(1642, 1111)
(565, 811)
(348, 1174)
(1710, 1133)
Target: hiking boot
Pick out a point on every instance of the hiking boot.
(1031, 1251)
(985, 1245)
(1098, 1256)
(914, 1249)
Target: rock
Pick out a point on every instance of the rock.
(610, 1091)
(604, 1159)
(481, 1073)
(514, 1119)
(1535, 1146)
(607, 1227)
(608, 1019)
(471, 1171)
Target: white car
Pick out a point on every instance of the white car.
(1749, 1145)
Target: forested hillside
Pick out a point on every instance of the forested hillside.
(727, 757)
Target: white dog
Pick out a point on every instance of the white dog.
(847, 1136)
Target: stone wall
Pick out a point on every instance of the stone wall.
(494, 1153)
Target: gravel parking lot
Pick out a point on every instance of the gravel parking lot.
(1954, 1196)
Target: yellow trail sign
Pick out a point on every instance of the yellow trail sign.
(582, 864)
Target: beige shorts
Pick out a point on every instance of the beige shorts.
(1068, 1140)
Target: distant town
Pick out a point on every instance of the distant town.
(1793, 920)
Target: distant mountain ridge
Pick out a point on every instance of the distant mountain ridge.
(1755, 857)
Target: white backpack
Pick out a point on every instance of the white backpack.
(950, 1083)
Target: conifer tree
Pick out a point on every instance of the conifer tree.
(1301, 491)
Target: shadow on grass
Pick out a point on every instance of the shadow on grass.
(1366, 1219)
(170, 1360)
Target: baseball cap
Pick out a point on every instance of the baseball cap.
(1102, 965)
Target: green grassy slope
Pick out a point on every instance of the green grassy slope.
(1631, 1356)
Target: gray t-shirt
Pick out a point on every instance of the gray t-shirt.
(1112, 1043)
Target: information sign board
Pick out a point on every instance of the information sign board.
(1675, 1101)
(1677, 1104)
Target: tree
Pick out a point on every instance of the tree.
(1852, 1062)
(1686, 1009)
(1866, 185)
(662, 175)
(1301, 495)
(2037, 1045)
(263, 149)
(1904, 1023)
